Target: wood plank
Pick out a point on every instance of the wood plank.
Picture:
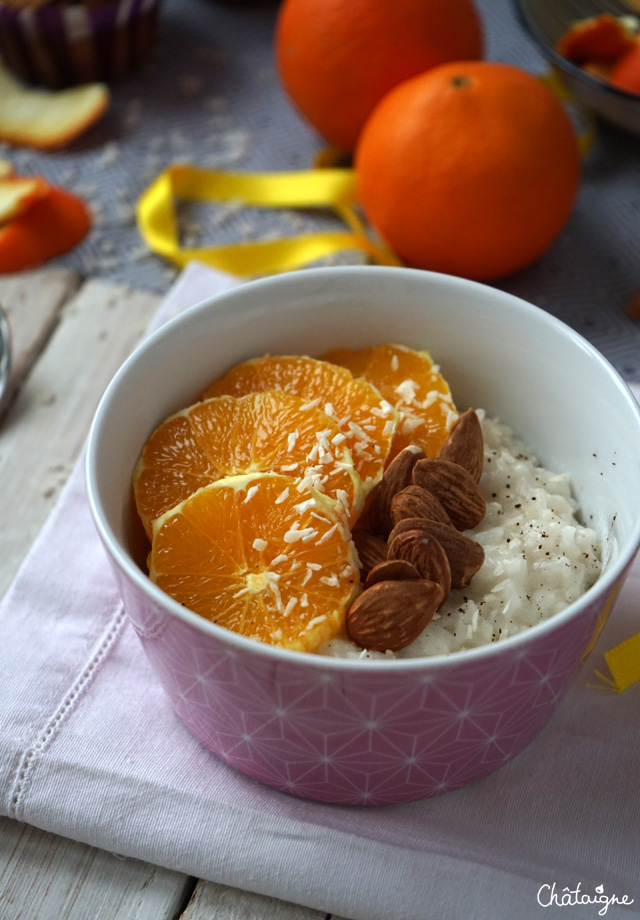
(211, 900)
(40, 438)
(32, 302)
(52, 878)
(43, 432)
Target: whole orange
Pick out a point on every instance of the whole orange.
(470, 169)
(338, 58)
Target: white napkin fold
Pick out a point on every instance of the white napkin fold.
(91, 749)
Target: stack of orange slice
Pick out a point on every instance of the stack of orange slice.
(229, 436)
(248, 496)
(367, 420)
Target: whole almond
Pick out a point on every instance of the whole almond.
(414, 501)
(464, 554)
(371, 549)
(455, 489)
(427, 555)
(391, 570)
(392, 614)
(396, 477)
(465, 444)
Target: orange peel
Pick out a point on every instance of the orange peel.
(49, 227)
(599, 39)
(48, 119)
(18, 193)
(625, 73)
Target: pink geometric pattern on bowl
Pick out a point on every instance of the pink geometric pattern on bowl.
(353, 738)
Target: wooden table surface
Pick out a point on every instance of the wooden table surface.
(69, 338)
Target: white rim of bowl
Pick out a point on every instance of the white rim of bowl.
(125, 562)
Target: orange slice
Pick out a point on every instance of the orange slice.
(254, 555)
(411, 382)
(366, 419)
(226, 436)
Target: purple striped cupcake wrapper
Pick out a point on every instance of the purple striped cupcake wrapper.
(65, 44)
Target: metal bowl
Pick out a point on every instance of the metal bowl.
(545, 21)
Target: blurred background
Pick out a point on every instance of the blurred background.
(210, 96)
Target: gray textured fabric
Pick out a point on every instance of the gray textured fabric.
(211, 97)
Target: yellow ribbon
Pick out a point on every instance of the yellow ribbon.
(329, 185)
(315, 188)
(623, 662)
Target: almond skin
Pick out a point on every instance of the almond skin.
(391, 614)
(413, 502)
(465, 444)
(396, 477)
(371, 549)
(455, 489)
(391, 570)
(464, 554)
(427, 555)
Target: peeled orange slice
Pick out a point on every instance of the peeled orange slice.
(600, 39)
(226, 436)
(411, 382)
(253, 554)
(366, 419)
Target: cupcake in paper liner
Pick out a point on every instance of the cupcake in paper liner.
(61, 42)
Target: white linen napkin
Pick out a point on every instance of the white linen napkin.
(91, 749)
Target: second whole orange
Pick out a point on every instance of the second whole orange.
(470, 169)
(337, 58)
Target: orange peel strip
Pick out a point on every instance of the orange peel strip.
(18, 193)
(48, 119)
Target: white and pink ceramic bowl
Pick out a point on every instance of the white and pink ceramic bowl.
(366, 732)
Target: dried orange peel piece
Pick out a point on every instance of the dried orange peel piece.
(599, 39)
(48, 119)
(254, 555)
(48, 228)
(367, 420)
(412, 383)
(227, 436)
(625, 73)
(18, 193)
